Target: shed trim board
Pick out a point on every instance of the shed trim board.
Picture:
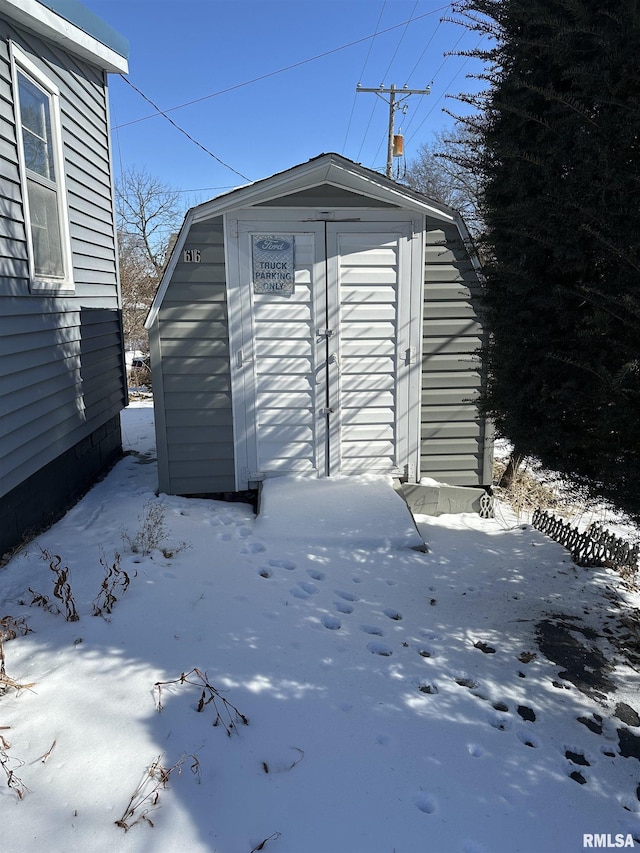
(323, 382)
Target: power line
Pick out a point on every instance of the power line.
(433, 35)
(182, 130)
(446, 87)
(386, 74)
(443, 63)
(278, 71)
(353, 106)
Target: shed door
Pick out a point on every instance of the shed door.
(322, 377)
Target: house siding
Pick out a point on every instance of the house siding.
(191, 372)
(453, 435)
(62, 377)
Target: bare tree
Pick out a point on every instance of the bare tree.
(148, 213)
(442, 170)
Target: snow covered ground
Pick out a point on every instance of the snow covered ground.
(462, 700)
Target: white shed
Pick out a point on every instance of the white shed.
(322, 321)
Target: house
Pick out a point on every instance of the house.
(321, 322)
(62, 379)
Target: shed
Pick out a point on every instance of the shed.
(322, 321)
(62, 380)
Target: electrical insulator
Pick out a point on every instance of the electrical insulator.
(398, 145)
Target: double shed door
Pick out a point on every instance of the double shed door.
(325, 380)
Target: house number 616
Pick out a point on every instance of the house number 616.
(191, 256)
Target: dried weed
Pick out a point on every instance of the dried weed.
(115, 580)
(228, 717)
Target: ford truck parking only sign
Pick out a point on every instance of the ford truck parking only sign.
(273, 264)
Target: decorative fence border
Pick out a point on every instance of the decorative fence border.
(595, 546)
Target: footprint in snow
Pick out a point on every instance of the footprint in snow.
(331, 623)
(392, 614)
(426, 803)
(343, 607)
(283, 564)
(373, 629)
(528, 739)
(476, 750)
(264, 572)
(316, 575)
(463, 681)
(347, 596)
(429, 635)
(307, 587)
(380, 649)
(576, 757)
(299, 592)
(527, 713)
(252, 548)
(500, 722)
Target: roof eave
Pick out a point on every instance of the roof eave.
(326, 169)
(54, 27)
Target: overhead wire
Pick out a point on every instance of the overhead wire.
(442, 64)
(182, 130)
(269, 74)
(164, 112)
(426, 48)
(404, 32)
(384, 139)
(449, 84)
(364, 67)
(386, 75)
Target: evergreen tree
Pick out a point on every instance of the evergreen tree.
(560, 167)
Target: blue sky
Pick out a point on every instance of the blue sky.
(263, 86)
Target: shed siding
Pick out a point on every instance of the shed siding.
(452, 445)
(191, 371)
(62, 373)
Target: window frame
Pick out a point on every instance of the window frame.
(39, 283)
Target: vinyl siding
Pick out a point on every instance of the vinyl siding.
(62, 372)
(191, 372)
(453, 436)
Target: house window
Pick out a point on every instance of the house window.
(42, 172)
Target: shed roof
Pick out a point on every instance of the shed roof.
(70, 24)
(331, 169)
(325, 169)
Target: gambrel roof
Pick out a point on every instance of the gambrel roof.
(326, 172)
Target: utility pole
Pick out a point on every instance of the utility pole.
(394, 102)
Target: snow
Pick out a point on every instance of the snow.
(396, 700)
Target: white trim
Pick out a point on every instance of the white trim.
(50, 25)
(326, 169)
(239, 391)
(416, 314)
(43, 284)
(167, 275)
